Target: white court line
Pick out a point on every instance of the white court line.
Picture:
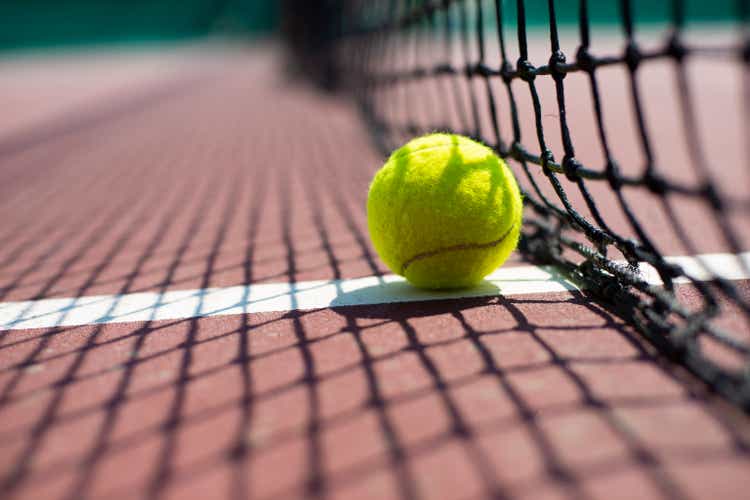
(256, 298)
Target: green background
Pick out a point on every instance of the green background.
(40, 23)
(608, 11)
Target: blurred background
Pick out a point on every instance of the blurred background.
(26, 24)
(33, 24)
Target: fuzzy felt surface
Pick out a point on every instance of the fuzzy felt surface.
(444, 211)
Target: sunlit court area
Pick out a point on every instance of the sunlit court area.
(387, 249)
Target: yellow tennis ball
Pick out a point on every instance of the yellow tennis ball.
(444, 211)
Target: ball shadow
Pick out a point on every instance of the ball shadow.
(387, 300)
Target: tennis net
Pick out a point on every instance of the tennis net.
(537, 87)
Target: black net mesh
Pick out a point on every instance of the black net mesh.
(552, 101)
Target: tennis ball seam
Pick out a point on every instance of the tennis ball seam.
(454, 248)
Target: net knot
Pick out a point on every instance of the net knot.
(676, 48)
(506, 72)
(556, 65)
(713, 197)
(526, 70)
(571, 167)
(517, 151)
(633, 56)
(546, 158)
(655, 183)
(613, 175)
(585, 60)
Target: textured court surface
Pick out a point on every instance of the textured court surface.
(194, 168)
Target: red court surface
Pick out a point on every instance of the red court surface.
(201, 167)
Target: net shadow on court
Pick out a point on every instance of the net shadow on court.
(378, 399)
(441, 393)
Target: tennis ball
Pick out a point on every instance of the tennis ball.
(444, 211)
